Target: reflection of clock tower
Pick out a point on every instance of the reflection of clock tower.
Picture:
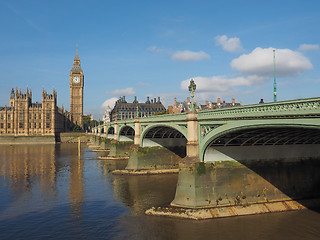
(76, 91)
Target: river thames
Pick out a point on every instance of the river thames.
(49, 192)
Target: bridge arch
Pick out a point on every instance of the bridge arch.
(170, 137)
(110, 132)
(235, 140)
(126, 133)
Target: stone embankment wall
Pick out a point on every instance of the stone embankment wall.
(72, 137)
(60, 138)
(27, 140)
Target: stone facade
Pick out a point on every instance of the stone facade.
(124, 110)
(23, 117)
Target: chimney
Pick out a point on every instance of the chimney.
(175, 101)
(207, 103)
(218, 100)
(233, 101)
(188, 99)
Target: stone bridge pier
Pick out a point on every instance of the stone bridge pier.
(193, 138)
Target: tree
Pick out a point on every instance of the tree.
(76, 128)
(160, 113)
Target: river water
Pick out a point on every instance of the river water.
(49, 192)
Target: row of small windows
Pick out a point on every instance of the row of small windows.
(8, 116)
(21, 116)
(2, 125)
(35, 116)
(35, 125)
(48, 105)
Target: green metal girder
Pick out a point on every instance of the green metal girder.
(235, 125)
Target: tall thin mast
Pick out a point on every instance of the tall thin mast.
(274, 77)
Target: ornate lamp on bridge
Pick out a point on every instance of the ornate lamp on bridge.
(192, 89)
(137, 112)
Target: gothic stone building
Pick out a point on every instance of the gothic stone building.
(23, 117)
(124, 110)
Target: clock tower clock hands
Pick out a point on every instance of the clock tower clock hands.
(76, 79)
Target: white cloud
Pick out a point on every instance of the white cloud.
(181, 55)
(260, 62)
(109, 102)
(124, 92)
(143, 84)
(189, 56)
(222, 83)
(156, 49)
(307, 47)
(230, 45)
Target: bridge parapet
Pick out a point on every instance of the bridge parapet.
(120, 122)
(165, 118)
(298, 108)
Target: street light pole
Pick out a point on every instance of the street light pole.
(192, 88)
(274, 77)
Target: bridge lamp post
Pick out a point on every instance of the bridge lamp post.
(192, 88)
(137, 112)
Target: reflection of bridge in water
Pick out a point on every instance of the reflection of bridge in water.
(275, 144)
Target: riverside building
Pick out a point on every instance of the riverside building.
(125, 110)
(22, 117)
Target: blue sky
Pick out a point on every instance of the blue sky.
(153, 48)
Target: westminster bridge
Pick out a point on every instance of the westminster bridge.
(264, 152)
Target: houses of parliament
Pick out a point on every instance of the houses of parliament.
(22, 117)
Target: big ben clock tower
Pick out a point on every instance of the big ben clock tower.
(76, 80)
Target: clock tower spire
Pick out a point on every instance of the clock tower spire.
(76, 81)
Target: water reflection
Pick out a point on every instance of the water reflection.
(76, 186)
(47, 192)
(27, 166)
(31, 172)
(140, 192)
(143, 192)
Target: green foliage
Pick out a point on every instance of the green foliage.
(87, 120)
(76, 128)
(91, 123)
(160, 113)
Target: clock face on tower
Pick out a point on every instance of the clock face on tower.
(76, 79)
